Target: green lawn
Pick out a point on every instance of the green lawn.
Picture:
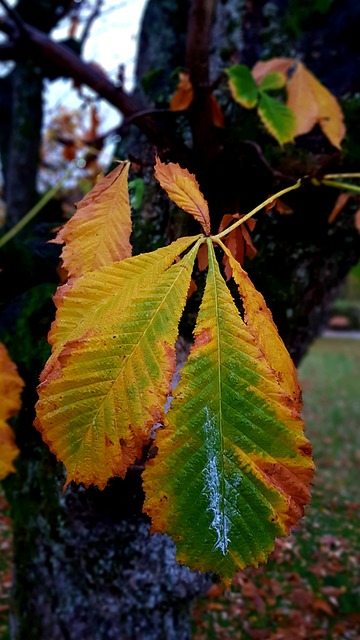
(310, 588)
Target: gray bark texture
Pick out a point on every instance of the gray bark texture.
(86, 567)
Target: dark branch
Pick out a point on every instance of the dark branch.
(91, 19)
(13, 14)
(8, 51)
(198, 40)
(205, 141)
(61, 61)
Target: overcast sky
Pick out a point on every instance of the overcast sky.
(112, 41)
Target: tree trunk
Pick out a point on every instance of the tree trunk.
(301, 260)
(86, 565)
(24, 142)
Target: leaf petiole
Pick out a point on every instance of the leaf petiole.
(347, 186)
(35, 210)
(253, 211)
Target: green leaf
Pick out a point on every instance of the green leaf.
(272, 81)
(277, 118)
(243, 86)
(232, 470)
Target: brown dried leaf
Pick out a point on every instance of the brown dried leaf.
(340, 203)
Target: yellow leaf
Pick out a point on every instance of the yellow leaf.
(107, 292)
(183, 188)
(331, 118)
(106, 389)
(8, 449)
(99, 232)
(10, 390)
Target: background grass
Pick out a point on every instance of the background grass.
(310, 587)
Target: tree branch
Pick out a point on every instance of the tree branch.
(91, 19)
(61, 60)
(13, 14)
(198, 40)
(205, 141)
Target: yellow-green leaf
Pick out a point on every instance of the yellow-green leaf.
(259, 320)
(242, 86)
(105, 293)
(233, 466)
(107, 389)
(10, 391)
(99, 232)
(183, 189)
(277, 118)
(272, 81)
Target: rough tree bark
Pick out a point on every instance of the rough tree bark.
(86, 566)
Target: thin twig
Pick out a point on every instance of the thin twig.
(35, 210)
(13, 14)
(347, 186)
(91, 19)
(258, 208)
(329, 176)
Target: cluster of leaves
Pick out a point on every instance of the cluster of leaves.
(10, 392)
(308, 101)
(231, 453)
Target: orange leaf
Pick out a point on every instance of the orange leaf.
(323, 606)
(94, 124)
(283, 208)
(10, 386)
(357, 220)
(183, 95)
(10, 390)
(302, 100)
(99, 232)
(202, 258)
(192, 289)
(69, 152)
(8, 449)
(183, 189)
(237, 241)
(216, 112)
(263, 68)
(340, 203)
